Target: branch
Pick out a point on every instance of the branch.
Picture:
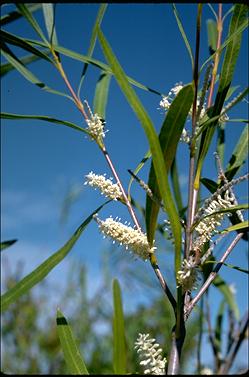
(212, 276)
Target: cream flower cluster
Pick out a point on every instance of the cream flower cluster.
(188, 276)
(107, 188)
(131, 238)
(95, 127)
(208, 225)
(167, 100)
(206, 371)
(150, 355)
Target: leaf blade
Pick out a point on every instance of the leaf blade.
(73, 358)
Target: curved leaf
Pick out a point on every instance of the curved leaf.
(43, 270)
(73, 358)
(243, 226)
(6, 244)
(93, 39)
(44, 118)
(15, 15)
(152, 137)
(48, 13)
(25, 60)
(101, 94)
(183, 34)
(212, 35)
(138, 168)
(119, 348)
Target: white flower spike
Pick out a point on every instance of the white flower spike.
(131, 238)
(150, 355)
(188, 276)
(107, 188)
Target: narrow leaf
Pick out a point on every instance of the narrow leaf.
(239, 155)
(149, 129)
(18, 65)
(229, 266)
(183, 34)
(43, 270)
(119, 347)
(73, 358)
(25, 60)
(44, 118)
(101, 94)
(48, 13)
(95, 62)
(93, 39)
(218, 329)
(212, 35)
(20, 42)
(15, 15)
(6, 244)
(243, 226)
(24, 10)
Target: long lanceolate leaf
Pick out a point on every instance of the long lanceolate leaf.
(157, 155)
(20, 67)
(73, 358)
(44, 118)
(230, 58)
(169, 137)
(119, 348)
(93, 39)
(43, 270)
(49, 17)
(15, 15)
(101, 94)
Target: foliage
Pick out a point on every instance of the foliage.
(194, 231)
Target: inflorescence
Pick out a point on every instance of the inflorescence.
(95, 125)
(106, 186)
(131, 238)
(150, 355)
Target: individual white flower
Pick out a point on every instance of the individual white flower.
(206, 371)
(131, 238)
(208, 225)
(150, 355)
(188, 276)
(107, 188)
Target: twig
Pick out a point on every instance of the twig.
(240, 336)
(212, 275)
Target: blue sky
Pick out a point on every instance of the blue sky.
(41, 162)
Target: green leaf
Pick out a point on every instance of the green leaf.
(18, 65)
(25, 60)
(101, 94)
(24, 10)
(183, 34)
(220, 284)
(119, 346)
(210, 184)
(43, 270)
(229, 266)
(73, 358)
(212, 35)
(49, 17)
(169, 137)
(93, 39)
(15, 15)
(239, 155)
(20, 42)
(243, 226)
(95, 62)
(6, 244)
(44, 118)
(154, 143)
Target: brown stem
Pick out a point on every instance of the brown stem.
(212, 275)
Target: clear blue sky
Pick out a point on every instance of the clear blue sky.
(41, 161)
